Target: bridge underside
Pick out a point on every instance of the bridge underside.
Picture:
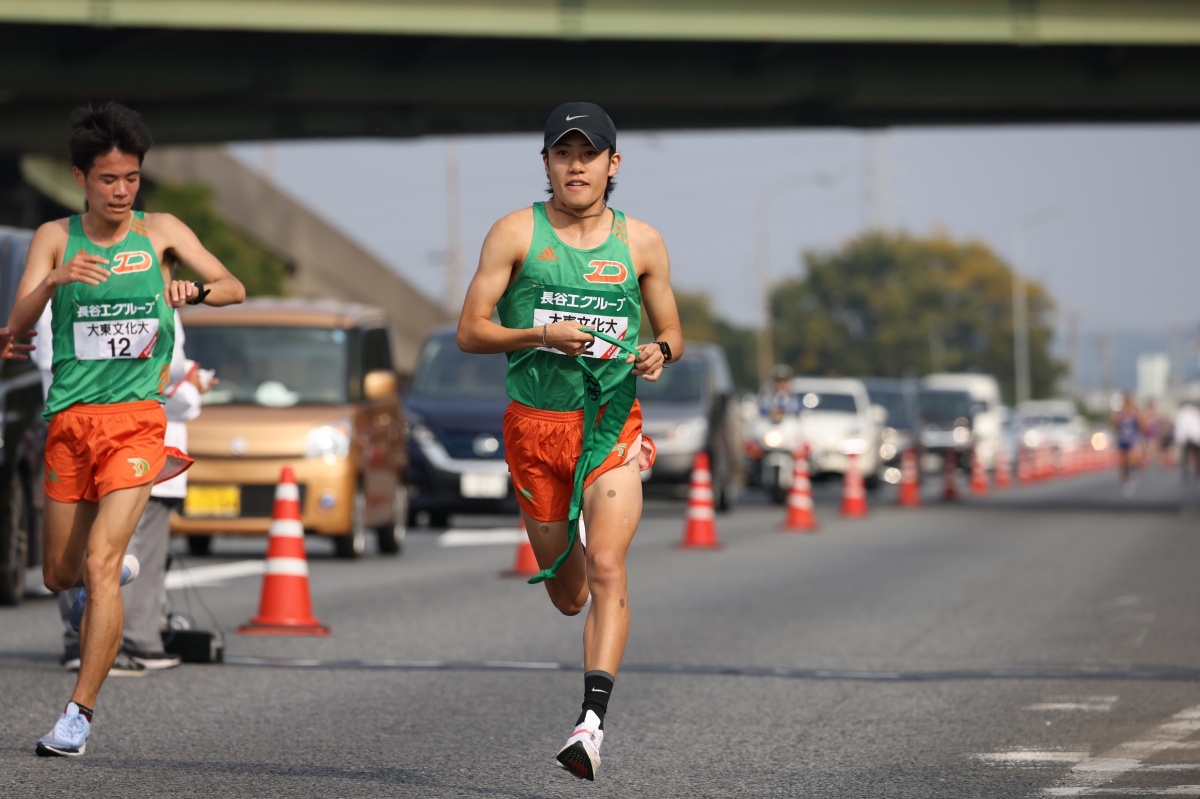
(196, 85)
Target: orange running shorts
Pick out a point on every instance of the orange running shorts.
(92, 450)
(541, 449)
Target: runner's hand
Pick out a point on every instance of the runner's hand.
(11, 351)
(83, 268)
(568, 338)
(180, 291)
(649, 361)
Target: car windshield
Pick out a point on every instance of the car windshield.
(894, 401)
(826, 401)
(944, 404)
(443, 370)
(272, 366)
(681, 382)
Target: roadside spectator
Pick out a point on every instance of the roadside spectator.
(1187, 438)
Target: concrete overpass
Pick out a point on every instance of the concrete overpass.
(218, 70)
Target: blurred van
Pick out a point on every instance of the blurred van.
(693, 408)
(987, 408)
(300, 383)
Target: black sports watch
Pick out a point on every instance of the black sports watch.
(199, 284)
(666, 351)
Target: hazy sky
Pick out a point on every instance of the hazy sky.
(1117, 239)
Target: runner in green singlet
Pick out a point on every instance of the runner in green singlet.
(557, 273)
(113, 330)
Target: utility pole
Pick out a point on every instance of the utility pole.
(1073, 353)
(1020, 301)
(453, 227)
(880, 217)
(762, 259)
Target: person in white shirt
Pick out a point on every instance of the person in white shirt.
(1187, 439)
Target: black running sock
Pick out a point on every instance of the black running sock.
(86, 712)
(597, 688)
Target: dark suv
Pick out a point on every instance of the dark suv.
(455, 408)
(22, 440)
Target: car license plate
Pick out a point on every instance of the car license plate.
(484, 486)
(223, 502)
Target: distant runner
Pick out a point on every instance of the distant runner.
(1128, 426)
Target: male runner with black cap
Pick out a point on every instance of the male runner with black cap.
(569, 278)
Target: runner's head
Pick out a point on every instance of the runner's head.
(97, 131)
(107, 146)
(579, 152)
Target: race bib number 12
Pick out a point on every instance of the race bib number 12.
(101, 334)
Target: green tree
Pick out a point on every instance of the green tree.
(261, 271)
(898, 306)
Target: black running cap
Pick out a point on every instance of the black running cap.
(587, 118)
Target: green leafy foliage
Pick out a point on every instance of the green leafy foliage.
(902, 306)
(261, 271)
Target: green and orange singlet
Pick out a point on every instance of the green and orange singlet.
(112, 342)
(598, 287)
(557, 282)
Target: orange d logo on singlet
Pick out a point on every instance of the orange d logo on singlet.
(131, 261)
(606, 272)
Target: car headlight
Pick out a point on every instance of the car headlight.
(853, 446)
(890, 436)
(961, 435)
(329, 439)
(773, 438)
(693, 429)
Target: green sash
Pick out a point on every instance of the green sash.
(598, 439)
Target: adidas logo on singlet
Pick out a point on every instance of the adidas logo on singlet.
(548, 255)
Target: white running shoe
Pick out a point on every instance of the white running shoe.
(581, 755)
(129, 572)
(69, 736)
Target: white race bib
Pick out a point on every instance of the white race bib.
(616, 326)
(117, 340)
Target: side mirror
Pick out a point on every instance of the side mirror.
(379, 384)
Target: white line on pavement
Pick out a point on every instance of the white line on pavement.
(213, 575)
(1178, 790)
(1034, 756)
(471, 538)
(1129, 756)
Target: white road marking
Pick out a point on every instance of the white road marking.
(1178, 790)
(213, 575)
(1130, 756)
(1035, 756)
(1094, 704)
(473, 538)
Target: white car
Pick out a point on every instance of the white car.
(1055, 422)
(838, 420)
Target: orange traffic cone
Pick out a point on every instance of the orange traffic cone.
(700, 529)
(524, 562)
(799, 518)
(284, 608)
(979, 481)
(950, 489)
(910, 481)
(1025, 474)
(854, 496)
(1003, 469)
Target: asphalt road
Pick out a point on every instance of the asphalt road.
(1040, 642)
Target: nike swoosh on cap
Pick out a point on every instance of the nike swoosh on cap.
(577, 116)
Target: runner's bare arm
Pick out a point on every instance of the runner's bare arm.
(43, 274)
(654, 273)
(503, 251)
(179, 240)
